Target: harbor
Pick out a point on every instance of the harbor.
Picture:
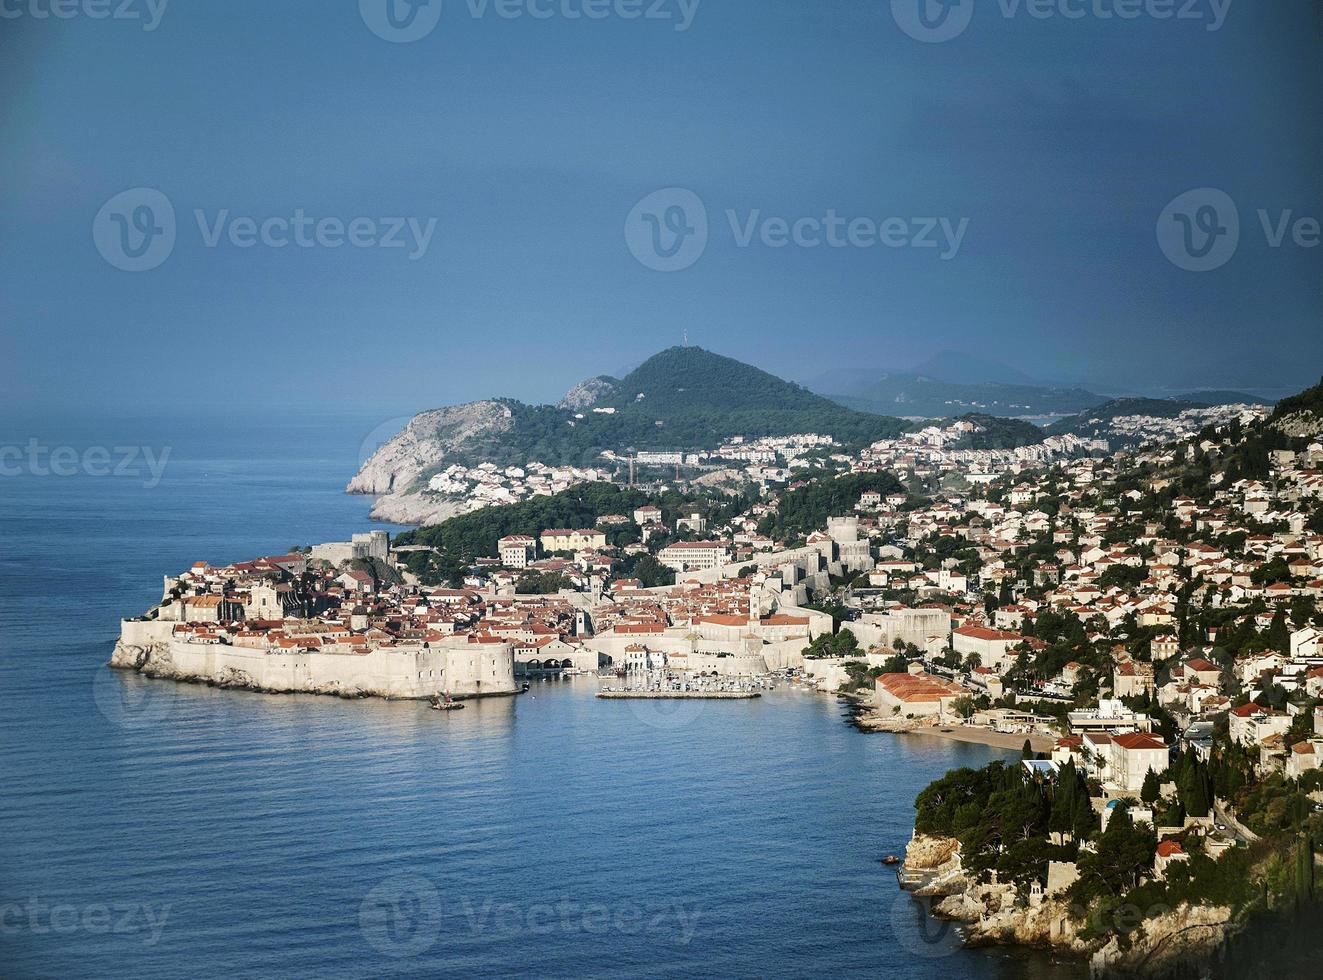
(623, 695)
(668, 685)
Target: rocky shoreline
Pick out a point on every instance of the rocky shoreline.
(1177, 942)
(414, 509)
(395, 468)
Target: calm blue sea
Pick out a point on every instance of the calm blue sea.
(155, 830)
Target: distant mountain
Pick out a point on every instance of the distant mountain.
(684, 379)
(960, 368)
(1224, 398)
(918, 395)
(690, 398)
(953, 383)
(684, 398)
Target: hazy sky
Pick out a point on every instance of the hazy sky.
(1051, 144)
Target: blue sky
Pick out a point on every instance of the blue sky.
(525, 142)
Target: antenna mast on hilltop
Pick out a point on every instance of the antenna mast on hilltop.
(685, 338)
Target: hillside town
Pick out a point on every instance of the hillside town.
(489, 485)
(1147, 430)
(1029, 537)
(770, 461)
(1146, 622)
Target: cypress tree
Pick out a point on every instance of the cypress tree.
(1152, 788)
(1279, 635)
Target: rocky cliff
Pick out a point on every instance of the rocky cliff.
(1305, 424)
(588, 393)
(137, 656)
(998, 915)
(393, 471)
(931, 855)
(1300, 415)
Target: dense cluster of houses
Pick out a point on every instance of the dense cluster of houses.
(1244, 545)
(957, 579)
(939, 449)
(488, 485)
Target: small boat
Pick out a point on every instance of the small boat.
(891, 859)
(446, 704)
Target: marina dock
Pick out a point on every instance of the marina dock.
(679, 695)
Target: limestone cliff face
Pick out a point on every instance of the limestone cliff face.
(136, 656)
(1166, 945)
(997, 915)
(429, 438)
(414, 508)
(931, 854)
(426, 441)
(586, 394)
(1301, 424)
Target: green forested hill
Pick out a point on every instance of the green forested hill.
(684, 398)
(807, 509)
(1001, 433)
(687, 379)
(1309, 400)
